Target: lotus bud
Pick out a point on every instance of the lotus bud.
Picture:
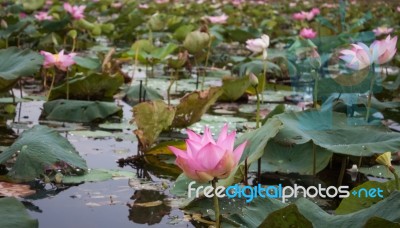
(179, 61)
(196, 41)
(107, 28)
(253, 80)
(3, 24)
(96, 31)
(84, 24)
(157, 22)
(385, 159)
(353, 172)
(73, 34)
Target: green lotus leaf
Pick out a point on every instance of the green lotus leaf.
(14, 214)
(38, 149)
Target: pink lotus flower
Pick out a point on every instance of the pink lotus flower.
(218, 19)
(384, 50)
(75, 11)
(41, 16)
(398, 9)
(143, 6)
(315, 11)
(382, 31)
(308, 33)
(59, 60)
(162, 1)
(357, 58)
(303, 15)
(259, 45)
(205, 159)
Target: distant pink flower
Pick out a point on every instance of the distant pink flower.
(384, 50)
(49, 2)
(218, 19)
(22, 15)
(143, 6)
(259, 45)
(292, 4)
(398, 9)
(315, 11)
(59, 60)
(116, 5)
(206, 159)
(75, 11)
(308, 33)
(162, 1)
(382, 31)
(41, 16)
(303, 15)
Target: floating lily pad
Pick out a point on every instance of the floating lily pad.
(234, 88)
(14, 214)
(15, 190)
(359, 199)
(94, 86)
(97, 175)
(379, 171)
(39, 148)
(337, 133)
(17, 63)
(79, 111)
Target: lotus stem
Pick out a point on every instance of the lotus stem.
(172, 80)
(315, 103)
(371, 88)
(258, 108)
(51, 85)
(216, 204)
(396, 177)
(67, 76)
(265, 80)
(342, 171)
(245, 172)
(314, 159)
(206, 64)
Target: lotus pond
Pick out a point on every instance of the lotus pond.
(226, 113)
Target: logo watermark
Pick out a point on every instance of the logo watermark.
(281, 192)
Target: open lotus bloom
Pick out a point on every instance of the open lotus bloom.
(60, 60)
(259, 45)
(218, 19)
(308, 33)
(382, 31)
(205, 159)
(362, 56)
(75, 11)
(41, 16)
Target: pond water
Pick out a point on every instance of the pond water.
(112, 203)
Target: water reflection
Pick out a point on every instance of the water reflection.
(148, 207)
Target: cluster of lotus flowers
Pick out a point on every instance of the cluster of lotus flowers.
(362, 56)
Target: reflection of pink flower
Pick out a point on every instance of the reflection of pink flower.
(308, 33)
(218, 19)
(59, 60)
(384, 50)
(41, 16)
(205, 159)
(382, 31)
(75, 11)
